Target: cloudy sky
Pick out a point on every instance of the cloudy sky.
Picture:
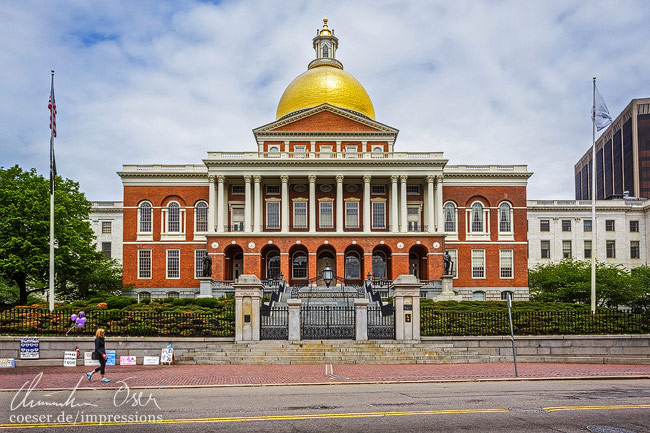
(486, 82)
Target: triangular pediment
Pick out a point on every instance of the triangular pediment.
(325, 118)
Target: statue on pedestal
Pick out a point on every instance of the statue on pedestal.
(447, 263)
(207, 265)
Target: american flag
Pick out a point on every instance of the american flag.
(52, 106)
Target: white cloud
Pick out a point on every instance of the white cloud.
(164, 82)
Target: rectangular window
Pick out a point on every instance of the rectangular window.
(106, 249)
(587, 249)
(144, 264)
(586, 224)
(413, 189)
(326, 151)
(610, 247)
(413, 218)
(505, 263)
(546, 249)
(237, 219)
(609, 226)
(378, 189)
(478, 263)
(237, 189)
(634, 250)
(107, 227)
(378, 215)
(273, 189)
(273, 215)
(300, 215)
(198, 262)
(299, 152)
(454, 262)
(173, 264)
(566, 225)
(566, 249)
(634, 226)
(352, 214)
(326, 220)
(544, 226)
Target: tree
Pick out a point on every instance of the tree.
(24, 235)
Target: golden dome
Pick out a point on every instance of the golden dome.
(325, 84)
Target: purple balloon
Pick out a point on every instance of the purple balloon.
(83, 320)
(82, 314)
(73, 317)
(80, 325)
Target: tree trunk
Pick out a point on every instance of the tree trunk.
(21, 281)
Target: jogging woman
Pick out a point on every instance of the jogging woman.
(100, 353)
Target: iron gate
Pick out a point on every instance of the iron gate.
(322, 322)
(274, 323)
(381, 322)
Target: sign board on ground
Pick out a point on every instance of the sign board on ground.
(167, 355)
(29, 348)
(110, 357)
(7, 363)
(70, 359)
(88, 359)
(151, 360)
(127, 360)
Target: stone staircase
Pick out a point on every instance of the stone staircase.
(337, 352)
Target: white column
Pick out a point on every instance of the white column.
(441, 225)
(366, 203)
(212, 198)
(312, 203)
(394, 223)
(339, 203)
(220, 204)
(402, 205)
(257, 205)
(285, 202)
(247, 204)
(431, 208)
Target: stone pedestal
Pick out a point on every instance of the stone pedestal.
(361, 312)
(248, 300)
(448, 290)
(406, 299)
(205, 287)
(294, 319)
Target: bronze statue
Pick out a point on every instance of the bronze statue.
(207, 265)
(447, 263)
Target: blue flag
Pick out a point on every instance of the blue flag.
(602, 118)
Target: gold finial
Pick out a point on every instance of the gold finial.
(325, 30)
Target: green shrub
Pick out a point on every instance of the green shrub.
(145, 301)
(119, 302)
(206, 302)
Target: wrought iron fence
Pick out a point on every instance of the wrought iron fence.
(28, 321)
(381, 322)
(275, 324)
(320, 322)
(433, 322)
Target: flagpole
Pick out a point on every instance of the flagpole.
(594, 226)
(52, 198)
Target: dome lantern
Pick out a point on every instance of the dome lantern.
(325, 45)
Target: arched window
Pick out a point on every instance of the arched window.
(145, 217)
(273, 264)
(144, 295)
(299, 268)
(478, 296)
(450, 217)
(201, 216)
(352, 266)
(477, 217)
(505, 223)
(379, 265)
(173, 217)
(172, 295)
(326, 50)
(504, 295)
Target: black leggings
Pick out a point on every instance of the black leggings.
(102, 365)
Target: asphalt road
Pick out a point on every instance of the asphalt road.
(527, 406)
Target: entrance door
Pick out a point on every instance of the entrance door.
(414, 264)
(324, 258)
(237, 265)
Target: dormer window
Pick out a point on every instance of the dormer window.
(325, 51)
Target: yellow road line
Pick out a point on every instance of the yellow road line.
(296, 417)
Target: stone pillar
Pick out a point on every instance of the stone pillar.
(406, 299)
(312, 203)
(257, 205)
(438, 206)
(285, 203)
(220, 204)
(447, 293)
(212, 205)
(205, 287)
(432, 207)
(339, 203)
(361, 312)
(394, 222)
(248, 300)
(247, 204)
(366, 203)
(294, 319)
(403, 227)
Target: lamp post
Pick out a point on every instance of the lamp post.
(328, 274)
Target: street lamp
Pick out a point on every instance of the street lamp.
(328, 274)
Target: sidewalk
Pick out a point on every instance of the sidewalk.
(262, 375)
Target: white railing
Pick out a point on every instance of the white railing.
(325, 155)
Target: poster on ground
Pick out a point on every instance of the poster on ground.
(88, 359)
(127, 360)
(70, 359)
(110, 357)
(29, 348)
(167, 355)
(151, 360)
(7, 363)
